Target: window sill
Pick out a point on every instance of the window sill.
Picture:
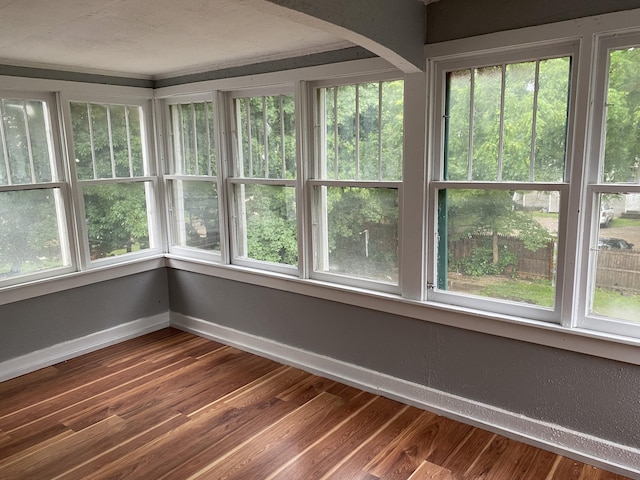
(589, 342)
(58, 283)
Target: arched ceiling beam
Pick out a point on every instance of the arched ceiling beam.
(392, 29)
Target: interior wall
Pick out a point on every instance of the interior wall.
(453, 19)
(588, 394)
(31, 325)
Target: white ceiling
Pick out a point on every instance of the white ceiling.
(150, 38)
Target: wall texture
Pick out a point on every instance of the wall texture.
(40, 322)
(583, 393)
(452, 19)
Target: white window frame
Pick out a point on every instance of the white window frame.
(235, 178)
(595, 186)
(150, 179)
(58, 184)
(439, 68)
(316, 181)
(171, 176)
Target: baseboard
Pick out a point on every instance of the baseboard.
(78, 346)
(614, 457)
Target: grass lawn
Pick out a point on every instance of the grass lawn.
(606, 302)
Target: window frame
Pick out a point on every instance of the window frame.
(150, 179)
(440, 66)
(58, 184)
(170, 174)
(315, 181)
(234, 178)
(595, 186)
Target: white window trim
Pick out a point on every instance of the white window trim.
(167, 166)
(155, 200)
(69, 241)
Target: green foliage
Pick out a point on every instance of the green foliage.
(29, 238)
(622, 145)
(108, 144)
(117, 217)
(479, 124)
(480, 262)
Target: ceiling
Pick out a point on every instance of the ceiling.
(150, 38)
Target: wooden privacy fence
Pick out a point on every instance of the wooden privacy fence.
(619, 270)
(531, 263)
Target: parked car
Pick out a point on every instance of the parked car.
(606, 214)
(614, 244)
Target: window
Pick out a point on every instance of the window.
(613, 288)
(356, 184)
(499, 187)
(115, 180)
(262, 182)
(192, 182)
(34, 239)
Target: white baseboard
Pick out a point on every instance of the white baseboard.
(78, 346)
(614, 457)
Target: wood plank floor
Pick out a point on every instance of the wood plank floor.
(170, 405)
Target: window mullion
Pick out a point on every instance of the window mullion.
(129, 152)
(92, 141)
(282, 137)
(208, 132)
(534, 121)
(110, 132)
(194, 138)
(501, 132)
(335, 131)
(379, 130)
(471, 121)
(5, 149)
(265, 136)
(249, 139)
(28, 135)
(357, 133)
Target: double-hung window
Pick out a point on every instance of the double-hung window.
(262, 181)
(192, 182)
(356, 182)
(116, 179)
(499, 187)
(34, 212)
(613, 191)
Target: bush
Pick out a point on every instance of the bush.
(480, 262)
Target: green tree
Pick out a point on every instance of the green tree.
(108, 144)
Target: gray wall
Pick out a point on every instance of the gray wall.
(451, 19)
(41, 322)
(583, 393)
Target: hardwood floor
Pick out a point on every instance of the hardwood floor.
(170, 405)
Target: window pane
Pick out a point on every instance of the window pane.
(484, 143)
(107, 141)
(356, 232)
(32, 232)
(499, 244)
(616, 293)
(195, 214)
(457, 136)
(486, 122)
(266, 223)
(519, 89)
(622, 148)
(25, 142)
(551, 119)
(193, 138)
(363, 131)
(117, 218)
(266, 137)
